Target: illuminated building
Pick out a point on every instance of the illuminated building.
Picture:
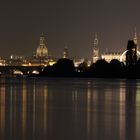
(2, 62)
(128, 55)
(40, 57)
(77, 62)
(42, 50)
(109, 56)
(95, 49)
(65, 53)
(15, 60)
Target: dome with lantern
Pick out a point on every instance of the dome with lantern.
(42, 50)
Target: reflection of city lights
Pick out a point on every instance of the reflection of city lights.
(122, 99)
(24, 108)
(2, 108)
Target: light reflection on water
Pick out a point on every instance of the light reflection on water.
(72, 109)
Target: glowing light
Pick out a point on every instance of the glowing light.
(51, 63)
(35, 72)
(121, 57)
(18, 72)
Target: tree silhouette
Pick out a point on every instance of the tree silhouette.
(100, 68)
(64, 67)
(116, 68)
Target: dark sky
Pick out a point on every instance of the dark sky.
(70, 22)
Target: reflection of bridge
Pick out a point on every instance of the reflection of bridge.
(124, 53)
(21, 70)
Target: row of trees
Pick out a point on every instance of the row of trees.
(102, 69)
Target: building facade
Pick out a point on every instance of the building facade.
(112, 55)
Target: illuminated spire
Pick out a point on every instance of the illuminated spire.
(65, 53)
(42, 50)
(95, 49)
(96, 41)
(42, 40)
(135, 39)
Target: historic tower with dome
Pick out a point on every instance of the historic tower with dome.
(40, 56)
(42, 51)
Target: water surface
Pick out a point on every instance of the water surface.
(69, 109)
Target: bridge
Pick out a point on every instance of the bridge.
(20, 70)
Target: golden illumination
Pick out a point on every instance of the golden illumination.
(24, 108)
(42, 50)
(51, 63)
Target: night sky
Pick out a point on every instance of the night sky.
(71, 22)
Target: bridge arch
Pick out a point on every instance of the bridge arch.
(17, 72)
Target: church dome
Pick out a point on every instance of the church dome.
(42, 50)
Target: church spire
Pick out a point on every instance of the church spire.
(96, 40)
(65, 53)
(42, 50)
(95, 49)
(135, 39)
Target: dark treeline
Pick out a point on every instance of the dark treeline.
(100, 69)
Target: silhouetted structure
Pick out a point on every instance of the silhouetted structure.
(95, 49)
(131, 54)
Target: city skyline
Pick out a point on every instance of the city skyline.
(67, 22)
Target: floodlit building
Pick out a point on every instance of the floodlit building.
(40, 57)
(77, 62)
(42, 51)
(113, 55)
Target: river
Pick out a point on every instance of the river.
(69, 109)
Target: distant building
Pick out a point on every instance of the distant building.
(108, 56)
(77, 62)
(15, 60)
(65, 53)
(40, 57)
(95, 49)
(42, 51)
(2, 62)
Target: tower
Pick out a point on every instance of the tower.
(42, 50)
(135, 39)
(65, 53)
(95, 49)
